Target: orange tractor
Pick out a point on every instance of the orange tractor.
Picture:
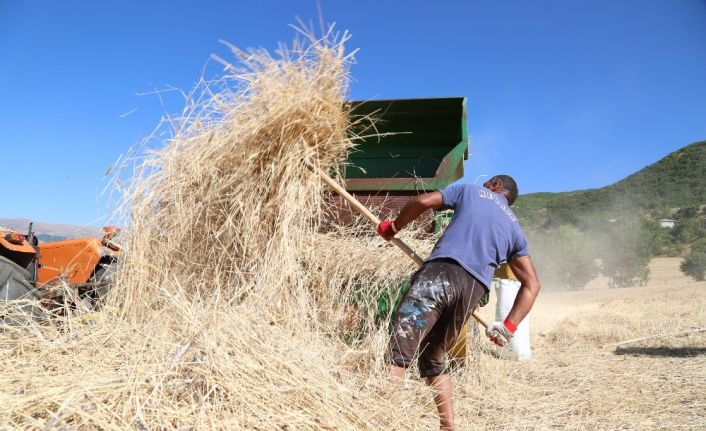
(33, 270)
(18, 260)
(85, 263)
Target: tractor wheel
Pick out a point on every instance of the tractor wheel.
(17, 295)
(103, 278)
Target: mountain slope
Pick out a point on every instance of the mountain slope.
(676, 181)
(50, 231)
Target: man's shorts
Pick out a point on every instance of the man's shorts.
(441, 298)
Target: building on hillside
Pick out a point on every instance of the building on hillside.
(667, 222)
(416, 146)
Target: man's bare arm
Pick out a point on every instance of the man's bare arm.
(523, 268)
(416, 206)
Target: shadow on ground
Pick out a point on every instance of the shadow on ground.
(674, 352)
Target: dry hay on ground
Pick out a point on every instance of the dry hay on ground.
(581, 379)
(230, 310)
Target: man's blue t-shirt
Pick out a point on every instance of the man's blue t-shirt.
(483, 231)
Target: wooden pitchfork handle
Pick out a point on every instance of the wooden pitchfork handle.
(375, 221)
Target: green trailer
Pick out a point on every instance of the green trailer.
(404, 147)
(416, 145)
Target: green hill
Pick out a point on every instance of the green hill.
(676, 181)
(615, 230)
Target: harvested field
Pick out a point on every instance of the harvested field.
(232, 311)
(579, 379)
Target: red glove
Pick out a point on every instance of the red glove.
(501, 333)
(387, 229)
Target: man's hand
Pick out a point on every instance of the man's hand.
(387, 229)
(501, 332)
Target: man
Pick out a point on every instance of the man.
(483, 232)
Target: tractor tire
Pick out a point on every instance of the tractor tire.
(18, 298)
(104, 278)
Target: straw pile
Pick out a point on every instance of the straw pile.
(232, 311)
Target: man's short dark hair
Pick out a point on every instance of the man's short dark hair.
(509, 186)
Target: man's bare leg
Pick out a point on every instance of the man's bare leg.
(443, 392)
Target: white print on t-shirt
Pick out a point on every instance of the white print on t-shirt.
(487, 194)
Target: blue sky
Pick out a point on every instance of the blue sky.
(563, 95)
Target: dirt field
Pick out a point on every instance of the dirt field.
(579, 378)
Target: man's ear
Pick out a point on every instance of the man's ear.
(509, 202)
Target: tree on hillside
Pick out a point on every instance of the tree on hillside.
(689, 230)
(661, 240)
(694, 264)
(562, 257)
(686, 213)
(625, 252)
